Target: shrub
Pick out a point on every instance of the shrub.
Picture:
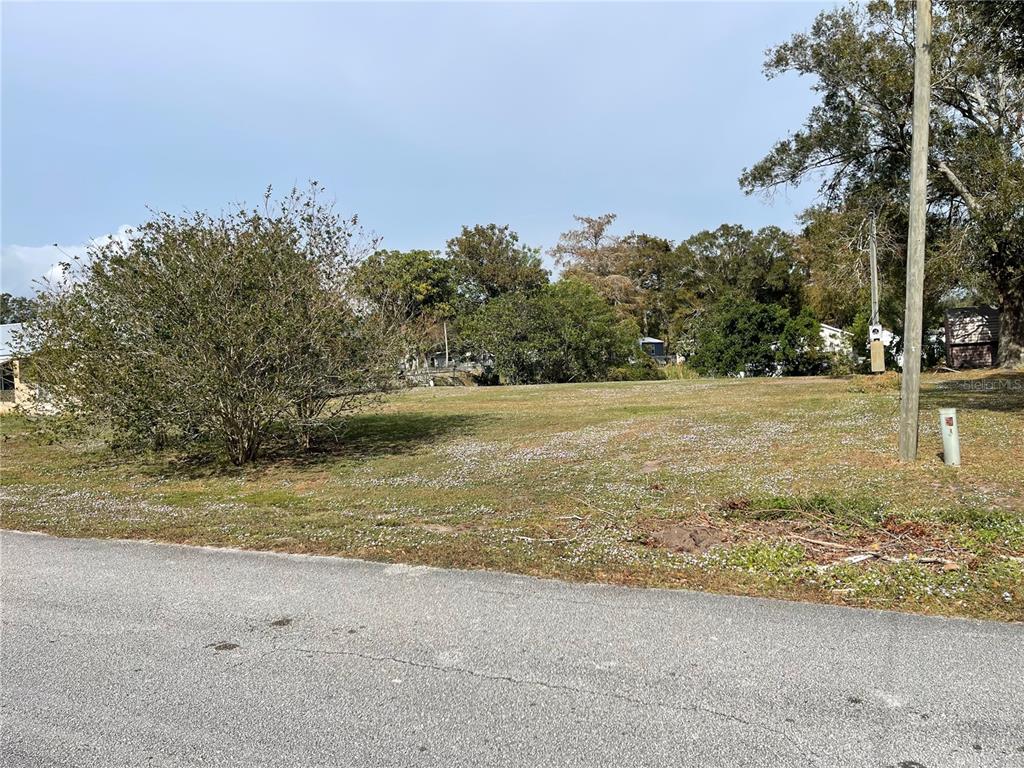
(214, 328)
(643, 369)
(738, 335)
(563, 332)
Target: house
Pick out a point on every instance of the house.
(972, 337)
(655, 348)
(14, 391)
(836, 340)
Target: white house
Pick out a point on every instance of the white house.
(836, 340)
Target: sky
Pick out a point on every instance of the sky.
(420, 118)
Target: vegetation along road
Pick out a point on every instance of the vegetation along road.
(773, 487)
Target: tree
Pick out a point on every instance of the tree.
(16, 309)
(655, 271)
(489, 261)
(760, 265)
(592, 254)
(737, 335)
(733, 261)
(1001, 30)
(563, 332)
(800, 349)
(414, 290)
(215, 328)
(858, 136)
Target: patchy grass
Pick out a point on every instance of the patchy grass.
(786, 487)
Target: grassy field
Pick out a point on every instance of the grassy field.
(785, 487)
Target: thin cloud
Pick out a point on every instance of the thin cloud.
(24, 268)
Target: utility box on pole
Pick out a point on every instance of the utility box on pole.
(877, 349)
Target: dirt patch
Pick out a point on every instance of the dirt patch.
(688, 538)
(824, 545)
(438, 528)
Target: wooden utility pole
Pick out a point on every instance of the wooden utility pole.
(873, 259)
(912, 325)
(875, 344)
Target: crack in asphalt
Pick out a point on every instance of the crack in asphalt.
(692, 708)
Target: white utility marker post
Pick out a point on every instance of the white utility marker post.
(950, 436)
(912, 325)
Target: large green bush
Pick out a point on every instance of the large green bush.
(563, 332)
(214, 328)
(740, 336)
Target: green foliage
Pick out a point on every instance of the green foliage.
(414, 290)
(679, 371)
(714, 267)
(760, 265)
(488, 262)
(799, 351)
(592, 254)
(665, 289)
(642, 369)
(857, 138)
(761, 557)
(653, 266)
(16, 309)
(563, 332)
(214, 328)
(407, 284)
(737, 336)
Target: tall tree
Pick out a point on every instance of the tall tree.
(654, 269)
(733, 261)
(1002, 30)
(414, 290)
(490, 261)
(591, 253)
(563, 332)
(858, 136)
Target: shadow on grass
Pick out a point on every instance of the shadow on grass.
(367, 436)
(356, 437)
(1002, 392)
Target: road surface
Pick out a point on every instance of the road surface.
(127, 654)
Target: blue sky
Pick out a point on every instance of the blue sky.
(418, 117)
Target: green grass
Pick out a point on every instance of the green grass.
(770, 484)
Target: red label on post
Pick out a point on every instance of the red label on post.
(949, 421)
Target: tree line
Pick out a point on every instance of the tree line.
(730, 301)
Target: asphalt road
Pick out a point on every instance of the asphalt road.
(128, 654)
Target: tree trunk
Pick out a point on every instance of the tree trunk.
(243, 446)
(1011, 329)
(1007, 271)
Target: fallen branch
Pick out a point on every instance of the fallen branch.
(546, 541)
(821, 543)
